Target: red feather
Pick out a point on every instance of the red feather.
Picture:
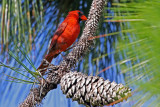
(64, 36)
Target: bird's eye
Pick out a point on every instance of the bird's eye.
(80, 14)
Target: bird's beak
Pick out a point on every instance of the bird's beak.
(83, 18)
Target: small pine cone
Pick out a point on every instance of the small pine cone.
(92, 90)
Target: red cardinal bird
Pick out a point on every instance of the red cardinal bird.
(64, 36)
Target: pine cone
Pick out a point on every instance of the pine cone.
(92, 90)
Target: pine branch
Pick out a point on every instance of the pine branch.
(54, 76)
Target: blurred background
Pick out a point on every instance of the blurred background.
(126, 48)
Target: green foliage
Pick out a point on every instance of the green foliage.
(141, 48)
(34, 75)
(16, 23)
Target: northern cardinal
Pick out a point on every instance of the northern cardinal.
(64, 36)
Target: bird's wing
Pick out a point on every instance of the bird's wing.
(58, 32)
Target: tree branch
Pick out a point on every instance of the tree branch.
(37, 94)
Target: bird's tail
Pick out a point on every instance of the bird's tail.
(49, 58)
